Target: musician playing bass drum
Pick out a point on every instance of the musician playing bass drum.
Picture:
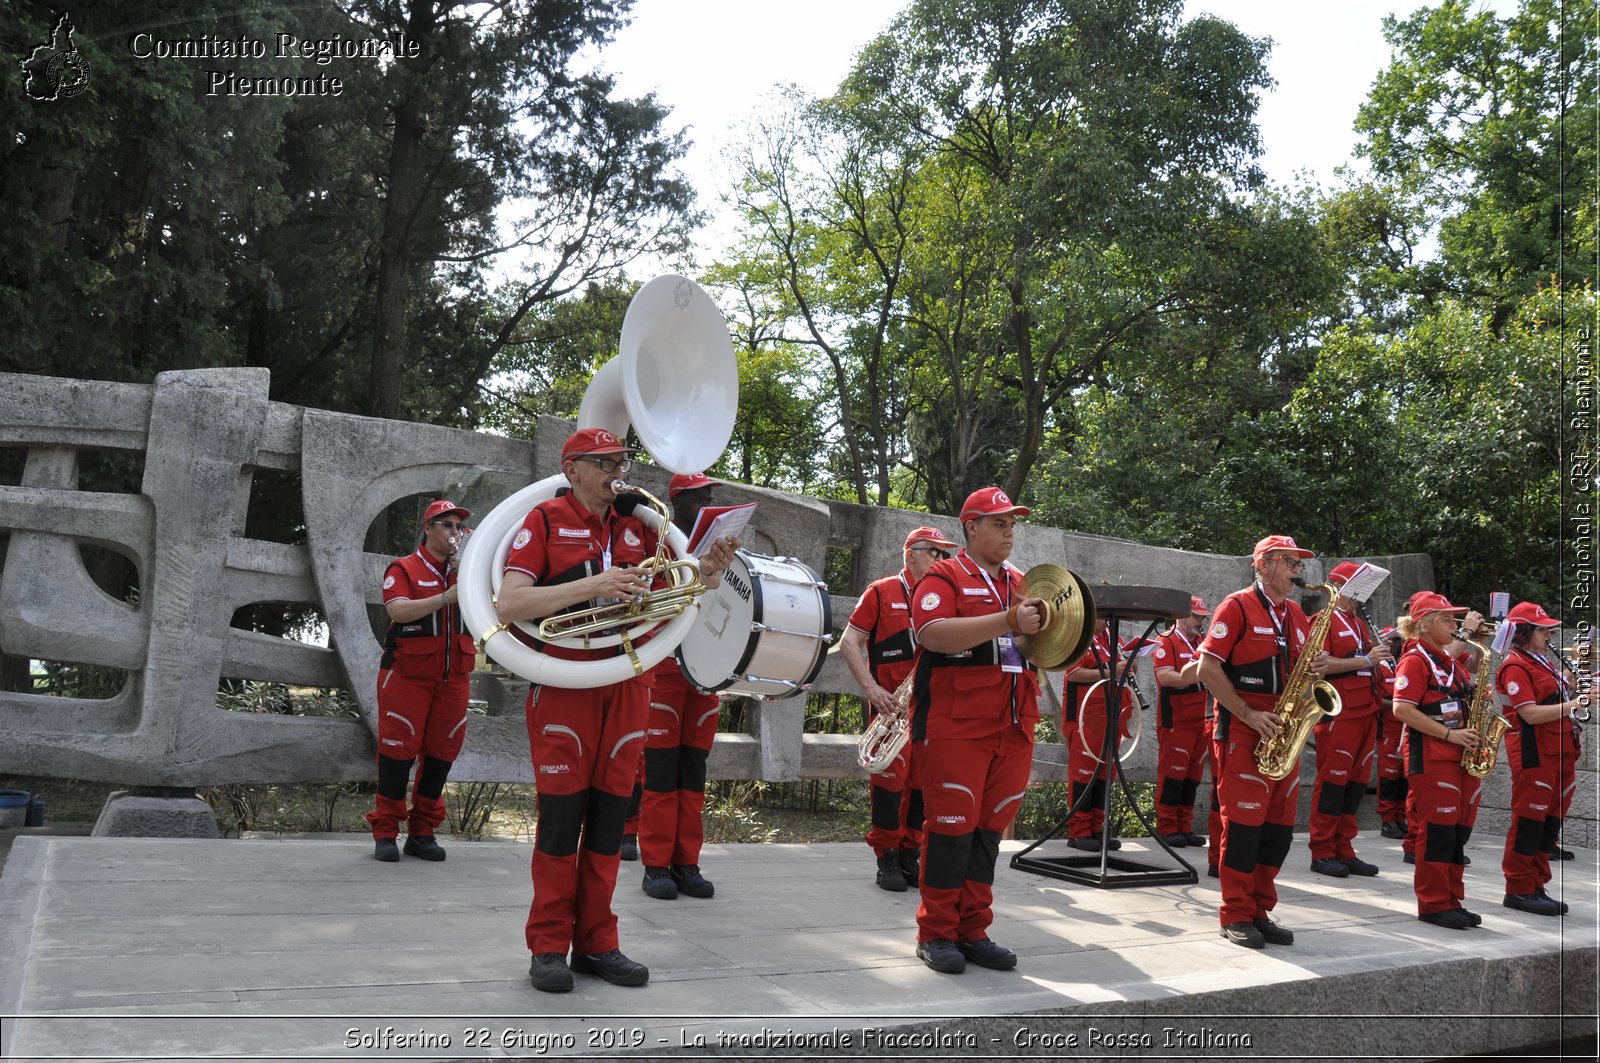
(878, 648)
(1542, 748)
(1432, 695)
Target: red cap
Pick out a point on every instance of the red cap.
(440, 508)
(1425, 602)
(1197, 606)
(927, 535)
(990, 502)
(1342, 572)
(592, 441)
(1282, 543)
(689, 482)
(1532, 613)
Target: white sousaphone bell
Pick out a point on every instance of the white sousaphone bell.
(676, 381)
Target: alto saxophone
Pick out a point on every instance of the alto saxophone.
(1481, 717)
(1304, 702)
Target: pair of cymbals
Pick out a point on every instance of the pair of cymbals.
(1069, 620)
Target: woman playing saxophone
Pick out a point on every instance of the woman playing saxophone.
(1542, 747)
(1432, 691)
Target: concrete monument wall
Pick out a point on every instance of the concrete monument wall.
(203, 435)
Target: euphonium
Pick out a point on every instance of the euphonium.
(1481, 717)
(888, 733)
(1304, 702)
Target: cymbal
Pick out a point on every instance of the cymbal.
(1070, 625)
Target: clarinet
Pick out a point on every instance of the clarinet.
(1579, 686)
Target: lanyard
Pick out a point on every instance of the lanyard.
(1187, 644)
(1561, 681)
(1444, 682)
(1283, 641)
(911, 629)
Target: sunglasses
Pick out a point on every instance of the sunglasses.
(451, 524)
(938, 554)
(609, 465)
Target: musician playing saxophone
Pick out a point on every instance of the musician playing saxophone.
(1432, 695)
(1542, 748)
(877, 648)
(1248, 654)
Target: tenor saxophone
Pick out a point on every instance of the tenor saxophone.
(1481, 717)
(1304, 702)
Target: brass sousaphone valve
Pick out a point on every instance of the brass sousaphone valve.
(1069, 617)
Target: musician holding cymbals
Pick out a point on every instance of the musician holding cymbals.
(1542, 748)
(570, 552)
(878, 649)
(975, 702)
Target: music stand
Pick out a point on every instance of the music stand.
(1106, 869)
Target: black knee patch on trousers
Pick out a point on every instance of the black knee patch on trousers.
(393, 775)
(985, 851)
(661, 770)
(1191, 787)
(431, 779)
(560, 823)
(636, 801)
(1244, 843)
(1463, 835)
(1393, 789)
(1353, 793)
(1528, 838)
(948, 857)
(692, 768)
(885, 809)
(1552, 832)
(1097, 794)
(602, 834)
(1330, 799)
(1439, 843)
(914, 809)
(1275, 841)
(1171, 790)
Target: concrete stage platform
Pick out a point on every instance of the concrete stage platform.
(306, 948)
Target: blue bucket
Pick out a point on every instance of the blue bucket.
(14, 808)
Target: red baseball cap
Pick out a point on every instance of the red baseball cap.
(1425, 602)
(689, 482)
(1197, 606)
(927, 534)
(1342, 572)
(1284, 543)
(1532, 613)
(440, 508)
(592, 441)
(990, 502)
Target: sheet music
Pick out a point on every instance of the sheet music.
(1363, 582)
(718, 522)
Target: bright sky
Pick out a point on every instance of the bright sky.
(711, 61)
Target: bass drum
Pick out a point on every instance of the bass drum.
(763, 633)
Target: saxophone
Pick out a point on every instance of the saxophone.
(1481, 717)
(1304, 702)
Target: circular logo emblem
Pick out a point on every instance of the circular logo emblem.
(1402, 683)
(523, 538)
(929, 601)
(1513, 687)
(1219, 630)
(605, 437)
(388, 581)
(1161, 653)
(1000, 497)
(630, 538)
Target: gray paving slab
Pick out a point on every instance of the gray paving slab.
(306, 948)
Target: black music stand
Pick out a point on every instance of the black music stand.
(1105, 869)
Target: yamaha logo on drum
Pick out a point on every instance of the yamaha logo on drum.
(740, 586)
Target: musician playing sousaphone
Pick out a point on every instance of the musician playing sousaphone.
(878, 648)
(1542, 748)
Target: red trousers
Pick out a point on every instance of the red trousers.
(1085, 772)
(1391, 768)
(1538, 798)
(418, 717)
(1181, 763)
(971, 791)
(585, 748)
(896, 807)
(679, 732)
(1346, 747)
(1257, 827)
(1444, 807)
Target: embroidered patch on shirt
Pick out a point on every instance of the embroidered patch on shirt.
(1513, 687)
(388, 581)
(630, 538)
(1219, 630)
(427, 583)
(1402, 683)
(1259, 630)
(522, 539)
(573, 533)
(930, 601)
(976, 592)
(897, 605)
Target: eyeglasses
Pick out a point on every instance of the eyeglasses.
(609, 465)
(1295, 564)
(451, 524)
(938, 554)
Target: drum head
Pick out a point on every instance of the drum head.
(722, 639)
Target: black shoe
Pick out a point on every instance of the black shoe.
(1409, 858)
(630, 847)
(1331, 867)
(1533, 903)
(910, 866)
(1177, 839)
(386, 851)
(611, 967)
(1465, 860)
(423, 845)
(986, 953)
(658, 883)
(1244, 934)
(1090, 844)
(890, 877)
(1452, 918)
(1111, 843)
(1392, 828)
(1272, 933)
(1211, 871)
(690, 881)
(1473, 918)
(1559, 853)
(1196, 841)
(1540, 892)
(942, 956)
(1357, 866)
(549, 973)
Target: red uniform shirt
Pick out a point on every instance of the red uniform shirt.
(1178, 705)
(968, 694)
(1526, 680)
(418, 648)
(1257, 644)
(883, 615)
(1348, 636)
(1097, 656)
(560, 541)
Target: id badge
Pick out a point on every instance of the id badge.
(1451, 716)
(1010, 656)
